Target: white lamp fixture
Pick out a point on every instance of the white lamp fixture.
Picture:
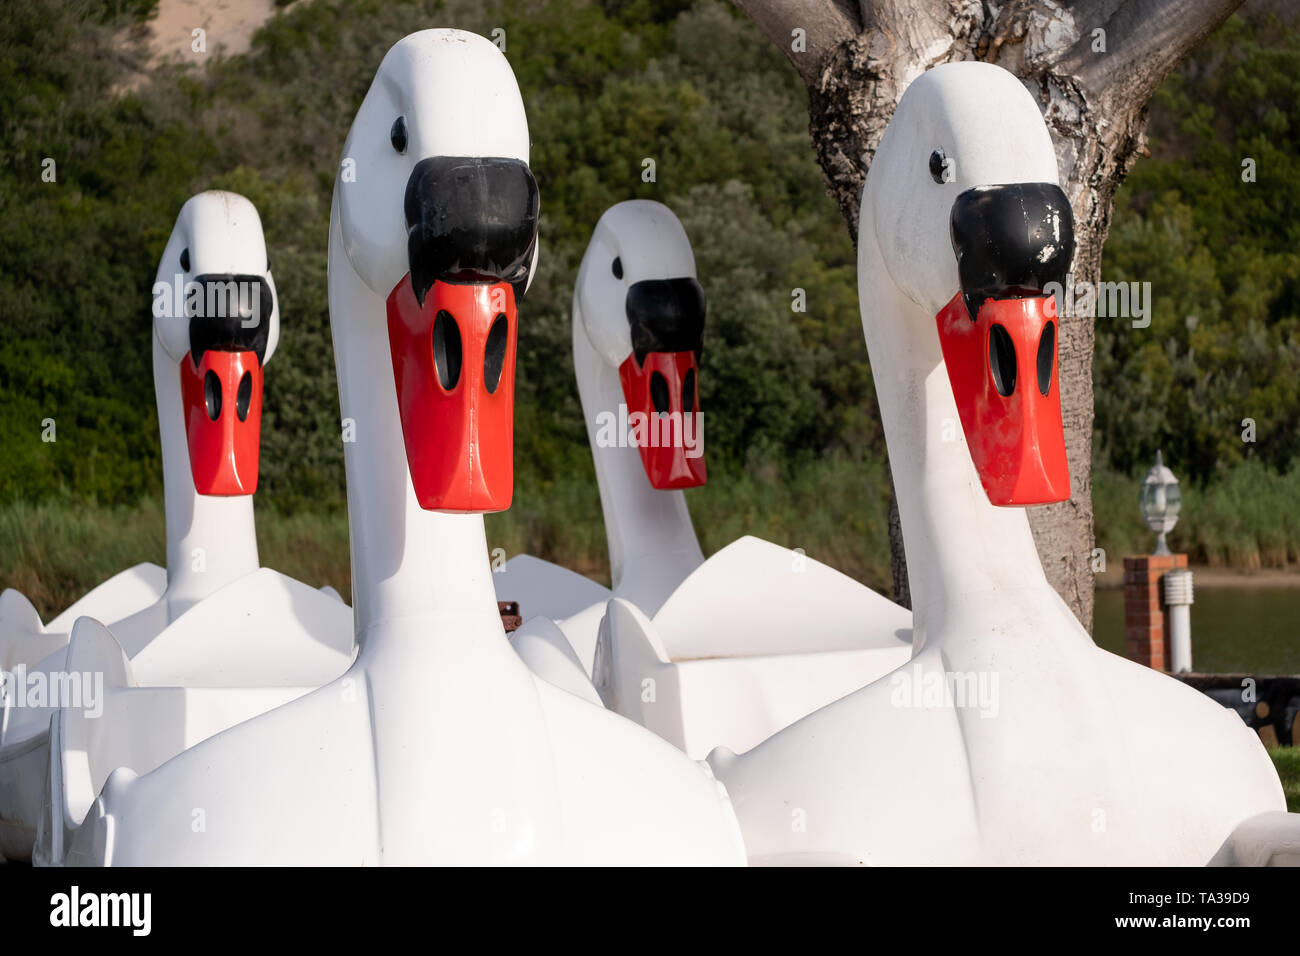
(1160, 501)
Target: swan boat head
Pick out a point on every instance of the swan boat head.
(640, 308)
(438, 212)
(217, 318)
(963, 210)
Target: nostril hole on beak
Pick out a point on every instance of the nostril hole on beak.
(688, 391)
(446, 349)
(659, 392)
(1046, 357)
(244, 396)
(212, 394)
(1002, 360)
(494, 352)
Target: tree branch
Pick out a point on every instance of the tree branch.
(826, 25)
(1145, 39)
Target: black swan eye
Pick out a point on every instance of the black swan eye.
(398, 134)
(185, 259)
(618, 268)
(938, 166)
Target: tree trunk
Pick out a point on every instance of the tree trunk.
(1092, 65)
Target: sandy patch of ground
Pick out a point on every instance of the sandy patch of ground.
(227, 24)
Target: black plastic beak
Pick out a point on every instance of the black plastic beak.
(666, 315)
(1011, 241)
(470, 219)
(225, 318)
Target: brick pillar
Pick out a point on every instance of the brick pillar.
(1146, 620)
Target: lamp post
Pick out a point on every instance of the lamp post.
(1160, 501)
(1158, 586)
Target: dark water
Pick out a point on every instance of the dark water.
(1234, 630)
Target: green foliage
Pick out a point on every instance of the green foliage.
(1223, 259)
(77, 254)
(692, 87)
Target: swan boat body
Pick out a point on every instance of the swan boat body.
(1009, 738)
(723, 651)
(218, 618)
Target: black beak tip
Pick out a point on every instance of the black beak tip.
(470, 216)
(666, 315)
(1016, 238)
(220, 320)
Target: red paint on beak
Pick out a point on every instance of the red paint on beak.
(454, 366)
(1003, 371)
(672, 444)
(222, 398)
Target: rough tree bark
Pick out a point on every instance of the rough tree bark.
(856, 59)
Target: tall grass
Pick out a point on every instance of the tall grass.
(56, 550)
(1250, 519)
(834, 508)
(311, 546)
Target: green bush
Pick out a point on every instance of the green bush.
(1222, 255)
(692, 86)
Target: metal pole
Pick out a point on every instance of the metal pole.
(1178, 599)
